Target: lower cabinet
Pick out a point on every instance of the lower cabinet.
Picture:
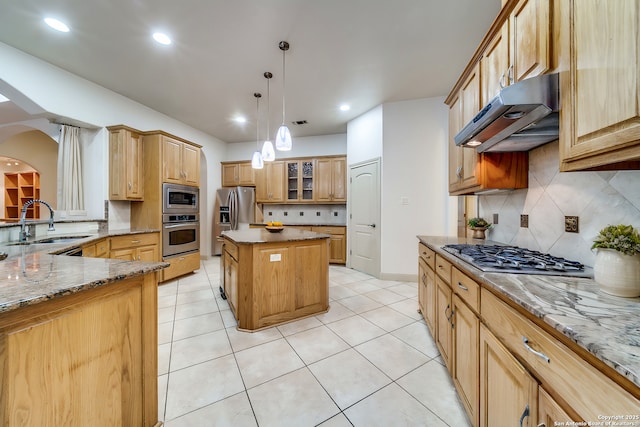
(180, 265)
(230, 253)
(507, 369)
(508, 393)
(99, 249)
(135, 247)
(337, 243)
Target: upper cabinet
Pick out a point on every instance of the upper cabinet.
(126, 164)
(599, 85)
(331, 179)
(520, 48)
(181, 162)
(270, 182)
(300, 180)
(237, 173)
(470, 172)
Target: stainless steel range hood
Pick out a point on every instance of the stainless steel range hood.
(521, 117)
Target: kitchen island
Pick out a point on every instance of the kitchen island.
(78, 339)
(272, 278)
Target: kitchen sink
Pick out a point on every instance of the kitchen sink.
(59, 239)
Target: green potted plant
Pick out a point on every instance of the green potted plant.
(617, 265)
(478, 225)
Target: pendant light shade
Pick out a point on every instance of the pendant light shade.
(283, 136)
(256, 160)
(268, 153)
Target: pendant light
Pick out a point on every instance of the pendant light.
(268, 153)
(283, 136)
(256, 160)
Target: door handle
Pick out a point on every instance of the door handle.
(372, 225)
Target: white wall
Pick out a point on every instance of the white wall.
(415, 199)
(65, 95)
(308, 146)
(364, 136)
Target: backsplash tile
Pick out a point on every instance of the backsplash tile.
(598, 198)
(309, 214)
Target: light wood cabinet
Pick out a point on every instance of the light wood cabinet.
(299, 180)
(270, 183)
(600, 85)
(508, 393)
(126, 164)
(443, 321)
(98, 249)
(427, 286)
(470, 172)
(550, 412)
(337, 242)
(181, 162)
(19, 188)
(135, 247)
(331, 180)
(237, 173)
(87, 358)
(231, 276)
(275, 282)
(466, 362)
(521, 48)
(180, 265)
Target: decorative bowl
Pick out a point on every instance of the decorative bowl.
(274, 229)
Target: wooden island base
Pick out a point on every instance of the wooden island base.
(273, 278)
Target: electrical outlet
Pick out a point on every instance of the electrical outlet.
(524, 221)
(495, 218)
(571, 224)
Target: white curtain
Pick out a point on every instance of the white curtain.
(70, 169)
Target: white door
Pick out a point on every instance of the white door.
(364, 217)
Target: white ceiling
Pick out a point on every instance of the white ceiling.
(360, 52)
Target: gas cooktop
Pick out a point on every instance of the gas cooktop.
(514, 259)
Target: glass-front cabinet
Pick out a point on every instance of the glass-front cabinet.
(300, 180)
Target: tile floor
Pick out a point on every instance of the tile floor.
(369, 361)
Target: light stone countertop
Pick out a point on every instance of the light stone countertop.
(606, 326)
(34, 273)
(260, 235)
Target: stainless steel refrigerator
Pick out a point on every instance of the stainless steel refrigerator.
(234, 210)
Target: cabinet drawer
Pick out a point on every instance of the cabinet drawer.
(466, 288)
(587, 390)
(328, 230)
(231, 248)
(134, 240)
(428, 255)
(443, 268)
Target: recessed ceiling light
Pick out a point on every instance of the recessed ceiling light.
(57, 25)
(345, 107)
(162, 38)
(240, 119)
(3, 98)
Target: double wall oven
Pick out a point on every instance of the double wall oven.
(180, 220)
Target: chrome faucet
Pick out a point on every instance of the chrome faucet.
(24, 233)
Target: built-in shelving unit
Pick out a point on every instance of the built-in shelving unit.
(19, 188)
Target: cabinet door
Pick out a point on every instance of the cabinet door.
(455, 152)
(246, 174)
(171, 155)
(443, 321)
(422, 276)
(126, 166)
(508, 393)
(331, 180)
(127, 254)
(530, 39)
(470, 98)
(147, 253)
(231, 282)
(600, 123)
(190, 165)
(135, 167)
(275, 181)
(337, 249)
(339, 175)
(292, 170)
(549, 412)
(230, 175)
(496, 72)
(430, 300)
(466, 336)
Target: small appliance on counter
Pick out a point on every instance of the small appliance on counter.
(234, 210)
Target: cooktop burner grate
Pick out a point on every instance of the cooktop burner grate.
(513, 259)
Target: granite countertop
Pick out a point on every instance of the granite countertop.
(259, 235)
(606, 326)
(33, 273)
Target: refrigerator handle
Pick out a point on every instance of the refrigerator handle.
(233, 209)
